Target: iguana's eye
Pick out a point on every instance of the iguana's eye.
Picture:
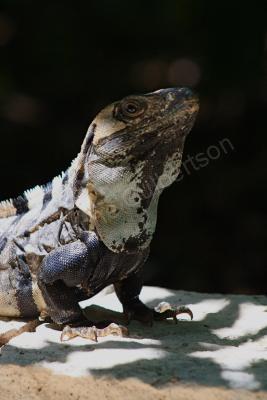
(131, 108)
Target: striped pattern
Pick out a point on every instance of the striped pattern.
(56, 194)
(20, 216)
(32, 198)
(29, 229)
(7, 209)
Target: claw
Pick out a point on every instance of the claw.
(165, 310)
(92, 332)
(184, 310)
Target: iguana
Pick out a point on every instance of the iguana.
(92, 226)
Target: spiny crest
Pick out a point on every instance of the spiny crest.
(30, 199)
(7, 209)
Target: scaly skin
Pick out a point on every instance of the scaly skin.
(92, 226)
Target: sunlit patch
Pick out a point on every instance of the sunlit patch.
(235, 361)
(239, 379)
(210, 306)
(236, 354)
(190, 350)
(251, 319)
(79, 361)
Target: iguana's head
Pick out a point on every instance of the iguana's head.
(129, 130)
(133, 150)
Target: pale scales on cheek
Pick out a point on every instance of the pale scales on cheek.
(106, 125)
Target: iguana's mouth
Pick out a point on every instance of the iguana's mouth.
(190, 105)
(193, 104)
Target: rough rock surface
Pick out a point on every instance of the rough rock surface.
(222, 353)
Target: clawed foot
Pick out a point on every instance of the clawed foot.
(165, 310)
(92, 332)
(136, 311)
(140, 312)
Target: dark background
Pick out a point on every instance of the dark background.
(61, 62)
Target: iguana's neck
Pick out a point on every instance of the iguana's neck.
(121, 201)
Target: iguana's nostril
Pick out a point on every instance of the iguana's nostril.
(180, 95)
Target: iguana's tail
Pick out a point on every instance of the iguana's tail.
(19, 297)
(8, 301)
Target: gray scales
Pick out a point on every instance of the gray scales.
(92, 226)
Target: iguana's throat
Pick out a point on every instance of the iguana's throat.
(123, 211)
(122, 202)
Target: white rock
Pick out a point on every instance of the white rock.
(225, 344)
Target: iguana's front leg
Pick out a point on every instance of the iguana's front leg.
(128, 291)
(62, 274)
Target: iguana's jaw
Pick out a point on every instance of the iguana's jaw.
(130, 164)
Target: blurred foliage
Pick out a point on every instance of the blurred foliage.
(61, 62)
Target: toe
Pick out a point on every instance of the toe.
(87, 332)
(92, 332)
